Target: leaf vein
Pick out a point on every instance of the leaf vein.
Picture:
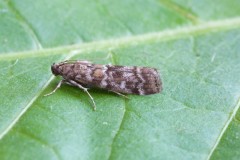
(116, 19)
(118, 131)
(26, 25)
(231, 117)
(53, 149)
(211, 26)
(180, 10)
(19, 115)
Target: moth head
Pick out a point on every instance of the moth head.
(55, 69)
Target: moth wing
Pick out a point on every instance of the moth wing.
(122, 79)
(131, 80)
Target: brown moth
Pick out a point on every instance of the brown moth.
(118, 79)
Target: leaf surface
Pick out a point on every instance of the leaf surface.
(194, 45)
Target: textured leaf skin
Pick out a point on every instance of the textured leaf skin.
(193, 44)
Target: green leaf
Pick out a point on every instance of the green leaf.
(194, 45)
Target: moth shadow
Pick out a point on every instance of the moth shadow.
(95, 92)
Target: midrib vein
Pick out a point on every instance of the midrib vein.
(232, 115)
(202, 28)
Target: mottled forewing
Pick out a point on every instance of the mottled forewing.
(129, 80)
(123, 79)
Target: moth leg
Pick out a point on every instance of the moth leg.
(70, 84)
(57, 87)
(120, 94)
(85, 90)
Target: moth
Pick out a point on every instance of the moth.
(118, 79)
